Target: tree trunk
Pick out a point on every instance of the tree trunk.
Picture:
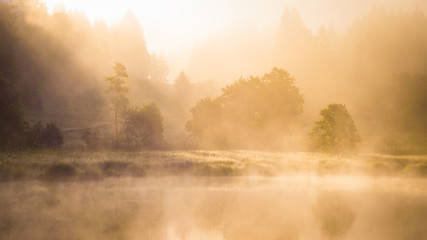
(117, 110)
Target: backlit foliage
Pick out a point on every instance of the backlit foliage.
(257, 112)
(336, 131)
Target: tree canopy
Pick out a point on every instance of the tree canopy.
(335, 131)
(251, 113)
(143, 128)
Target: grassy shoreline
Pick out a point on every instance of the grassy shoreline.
(77, 165)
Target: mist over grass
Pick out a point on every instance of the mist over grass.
(74, 165)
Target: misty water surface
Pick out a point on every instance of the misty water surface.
(297, 207)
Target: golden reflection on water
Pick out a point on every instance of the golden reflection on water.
(293, 207)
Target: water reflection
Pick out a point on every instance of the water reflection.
(335, 213)
(299, 207)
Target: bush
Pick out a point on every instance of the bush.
(143, 128)
(39, 136)
(59, 171)
(52, 136)
(92, 138)
(114, 168)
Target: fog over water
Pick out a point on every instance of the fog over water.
(295, 207)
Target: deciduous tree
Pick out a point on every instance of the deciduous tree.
(257, 112)
(336, 131)
(143, 128)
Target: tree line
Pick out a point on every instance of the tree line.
(16, 131)
(253, 113)
(376, 66)
(52, 68)
(266, 113)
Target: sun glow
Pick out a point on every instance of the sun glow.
(174, 25)
(186, 22)
(106, 10)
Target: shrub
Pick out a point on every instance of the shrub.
(91, 137)
(52, 136)
(33, 135)
(39, 136)
(114, 168)
(59, 171)
(143, 128)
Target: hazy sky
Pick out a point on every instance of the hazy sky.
(172, 24)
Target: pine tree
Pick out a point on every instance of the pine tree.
(118, 90)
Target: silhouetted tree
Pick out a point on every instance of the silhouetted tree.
(143, 128)
(336, 131)
(118, 91)
(183, 92)
(129, 44)
(294, 42)
(182, 83)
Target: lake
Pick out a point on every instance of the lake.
(285, 207)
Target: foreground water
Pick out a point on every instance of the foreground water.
(297, 207)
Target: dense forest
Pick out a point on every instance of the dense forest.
(53, 69)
